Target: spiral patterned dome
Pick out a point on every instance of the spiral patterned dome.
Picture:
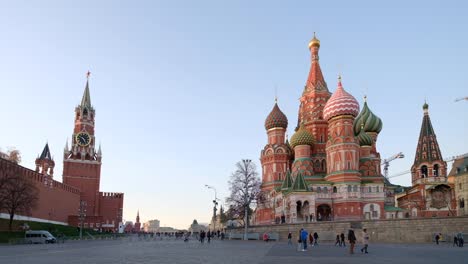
(340, 103)
(364, 138)
(276, 118)
(372, 123)
(302, 137)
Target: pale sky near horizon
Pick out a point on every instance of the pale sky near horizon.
(182, 88)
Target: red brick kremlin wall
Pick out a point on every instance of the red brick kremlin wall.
(56, 200)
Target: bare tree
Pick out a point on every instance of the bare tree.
(18, 195)
(12, 155)
(245, 188)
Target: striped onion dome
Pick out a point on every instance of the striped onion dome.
(371, 122)
(340, 103)
(364, 138)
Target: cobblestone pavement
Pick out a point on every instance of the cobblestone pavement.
(134, 250)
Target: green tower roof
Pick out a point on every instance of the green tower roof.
(299, 184)
(287, 183)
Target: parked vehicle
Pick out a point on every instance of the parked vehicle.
(39, 236)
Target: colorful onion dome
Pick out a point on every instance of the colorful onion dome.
(302, 137)
(364, 138)
(315, 42)
(276, 118)
(340, 103)
(372, 123)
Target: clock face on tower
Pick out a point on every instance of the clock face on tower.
(83, 139)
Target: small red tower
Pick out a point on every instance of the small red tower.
(137, 226)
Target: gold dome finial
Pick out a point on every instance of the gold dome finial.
(315, 42)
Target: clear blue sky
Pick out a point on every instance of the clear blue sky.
(182, 89)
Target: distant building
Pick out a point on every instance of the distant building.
(195, 227)
(151, 225)
(459, 173)
(137, 225)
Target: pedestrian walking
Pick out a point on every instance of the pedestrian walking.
(460, 239)
(342, 236)
(338, 242)
(365, 240)
(209, 236)
(437, 237)
(316, 237)
(455, 240)
(299, 241)
(352, 241)
(304, 236)
(289, 238)
(311, 239)
(265, 237)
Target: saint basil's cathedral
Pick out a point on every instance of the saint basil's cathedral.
(330, 168)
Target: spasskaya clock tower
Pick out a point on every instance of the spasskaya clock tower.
(81, 162)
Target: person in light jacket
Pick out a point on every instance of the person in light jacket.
(365, 241)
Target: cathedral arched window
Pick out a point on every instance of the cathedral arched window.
(424, 171)
(436, 170)
(324, 165)
(85, 112)
(349, 188)
(319, 190)
(334, 189)
(370, 189)
(462, 203)
(325, 189)
(355, 188)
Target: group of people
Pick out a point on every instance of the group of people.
(340, 240)
(458, 240)
(306, 238)
(209, 235)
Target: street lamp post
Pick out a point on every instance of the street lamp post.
(215, 203)
(82, 216)
(246, 211)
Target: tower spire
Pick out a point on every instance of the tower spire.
(315, 80)
(86, 100)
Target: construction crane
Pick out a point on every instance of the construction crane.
(386, 162)
(461, 99)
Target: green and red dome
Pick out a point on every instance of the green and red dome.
(276, 118)
(302, 137)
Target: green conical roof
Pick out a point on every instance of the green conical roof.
(299, 184)
(302, 137)
(287, 183)
(372, 123)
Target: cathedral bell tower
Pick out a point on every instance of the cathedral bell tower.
(82, 163)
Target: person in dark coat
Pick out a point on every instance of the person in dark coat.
(352, 241)
(311, 239)
(437, 237)
(289, 238)
(316, 237)
(337, 242)
(342, 240)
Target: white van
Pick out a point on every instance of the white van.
(39, 236)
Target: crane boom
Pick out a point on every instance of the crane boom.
(386, 162)
(461, 98)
